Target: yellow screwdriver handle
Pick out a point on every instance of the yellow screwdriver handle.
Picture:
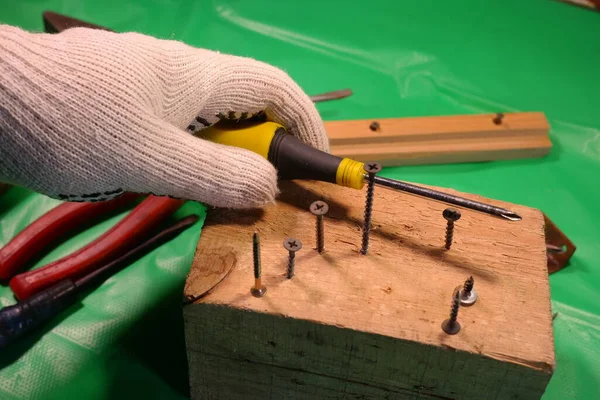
(292, 158)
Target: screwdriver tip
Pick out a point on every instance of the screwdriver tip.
(511, 216)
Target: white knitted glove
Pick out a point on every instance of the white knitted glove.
(89, 114)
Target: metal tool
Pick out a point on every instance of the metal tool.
(24, 317)
(451, 215)
(451, 325)
(319, 208)
(371, 168)
(292, 245)
(335, 95)
(258, 290)
(468, 295)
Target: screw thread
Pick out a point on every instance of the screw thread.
(256, 255)
(469, 283)
(449, 234)
(368, 212)
(320, 234)
(291, 265)
(455, 306)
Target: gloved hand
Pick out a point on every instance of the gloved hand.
(89, 114)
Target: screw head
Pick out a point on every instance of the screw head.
(468, 299)
(451, 214)
(319, 208)
(498, 119)
(451, 327)
(372, 167)
(258, 292)
(374, 126)
(292, 244)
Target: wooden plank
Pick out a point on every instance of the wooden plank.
(349, 325)
(444, 139)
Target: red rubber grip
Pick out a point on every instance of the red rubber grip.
(116, 241)
(50, 228)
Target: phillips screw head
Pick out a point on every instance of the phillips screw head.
(373, 167)
(319, 208)
(292, 245)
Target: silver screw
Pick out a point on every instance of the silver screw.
(468, 295)
(319, 208)
(292, 245)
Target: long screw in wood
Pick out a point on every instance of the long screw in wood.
(371, 169)
(292, 245)
(258, 290)
(451, 325)
(319, 208)
(451, 215)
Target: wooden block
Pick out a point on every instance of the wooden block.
(445, 139)
(369, 327)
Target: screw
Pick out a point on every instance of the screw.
(258, 290)
(372, 169)
(451, 325)
(374, 126)
(468, 295)
(498, 119)
(292, 246)
(319, 208)
(451, 215)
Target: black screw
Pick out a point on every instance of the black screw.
(451, 325)
(372, 169)
(468, 295)
(451, 215)
(319, 208)
(258, 290)
(374, 126)
(498, 119)
(292, 246)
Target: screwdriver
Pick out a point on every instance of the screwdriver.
(24, 317)
(296, 160)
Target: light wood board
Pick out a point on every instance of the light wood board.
(443, 139)
(372, 324)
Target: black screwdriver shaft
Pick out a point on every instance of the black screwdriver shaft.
(447, 198)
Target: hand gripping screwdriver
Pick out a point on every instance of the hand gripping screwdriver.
(295, 160)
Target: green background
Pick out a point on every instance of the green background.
(401, 58)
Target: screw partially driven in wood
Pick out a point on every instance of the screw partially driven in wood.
(319, 208)
(468, 295)
(372, 169)
(451, 325)
(451, 215)
(498, 118)
(292, 246)
(258, 290)
(374, 126)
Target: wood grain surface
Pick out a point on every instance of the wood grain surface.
(443, 139)
(387, 306)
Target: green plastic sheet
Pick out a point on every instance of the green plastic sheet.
(401, 58)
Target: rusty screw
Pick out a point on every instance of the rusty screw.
(468, 295)
(451, 325)
(319, 208)
(374, 126)
(498, 119)
(258, 290)
(292, 246)
(372, 168)
(451, 215)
